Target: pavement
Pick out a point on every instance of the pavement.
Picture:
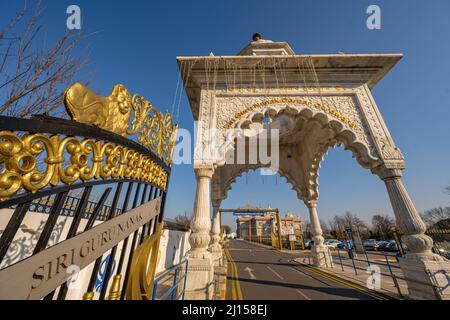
(257, 272)
(391, 279)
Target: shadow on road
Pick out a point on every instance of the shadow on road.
(334, 292)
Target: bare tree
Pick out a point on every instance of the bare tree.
(339, 224)
(183, 220)
(435, 215)
(307, 229)
(447, 189)
(382, 225)
(33, 76)
(337, 227)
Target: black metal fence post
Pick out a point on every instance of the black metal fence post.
(132, 248)
(11, 229)
(353, 261)
(112, 255)
(340, 259)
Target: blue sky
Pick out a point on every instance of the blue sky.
(136, 43)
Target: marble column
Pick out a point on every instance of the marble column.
(201, 219)
(320, 253)
(215, 246)
(200, 277)
(421, 267)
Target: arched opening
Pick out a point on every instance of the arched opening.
(347, 187)
(253, 187)
(304, 135)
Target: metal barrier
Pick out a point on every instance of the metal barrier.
(259, 239)
(273, 241)
(172, 276)
(393, 271)
(44, 205)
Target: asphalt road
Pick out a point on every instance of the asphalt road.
(259, 273)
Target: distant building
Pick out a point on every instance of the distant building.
(262, 226)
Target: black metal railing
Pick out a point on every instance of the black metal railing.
(71, 203)
(361, 265)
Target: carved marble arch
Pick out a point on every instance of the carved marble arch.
(302, 146)
(225, 176)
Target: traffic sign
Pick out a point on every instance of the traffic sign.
(260, 214)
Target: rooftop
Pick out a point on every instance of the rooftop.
(265, 58)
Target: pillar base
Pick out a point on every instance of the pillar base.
(200, 278)
(427, 276)
(217, 254)
(321, 256)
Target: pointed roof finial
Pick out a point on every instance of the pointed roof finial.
(256, 37)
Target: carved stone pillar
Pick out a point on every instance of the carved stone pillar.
(424, 271)
(316, 229)
(200, 276)
(215, 247)
(321, 254)
(201, 219)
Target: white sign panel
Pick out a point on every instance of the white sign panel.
(42, 272)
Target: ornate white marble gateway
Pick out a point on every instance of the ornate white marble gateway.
(309, 103)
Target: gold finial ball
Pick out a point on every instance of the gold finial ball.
(257, 36)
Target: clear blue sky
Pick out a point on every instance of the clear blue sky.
(137, 42)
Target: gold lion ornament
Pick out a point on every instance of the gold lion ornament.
(110, 113)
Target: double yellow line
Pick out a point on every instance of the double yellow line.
(236, 292)
(349, 284)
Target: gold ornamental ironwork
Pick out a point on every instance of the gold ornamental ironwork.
(114, 291)
(124, 114)
(68, 159)
(33, 161)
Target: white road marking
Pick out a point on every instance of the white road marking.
(303, 295)
(276, 273)
(250, 272)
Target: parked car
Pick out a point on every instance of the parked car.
(392, 247)
(369, 244)
(441, 251)
(331, 243)
(381, 245)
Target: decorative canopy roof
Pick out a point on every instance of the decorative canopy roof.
(261, 57)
